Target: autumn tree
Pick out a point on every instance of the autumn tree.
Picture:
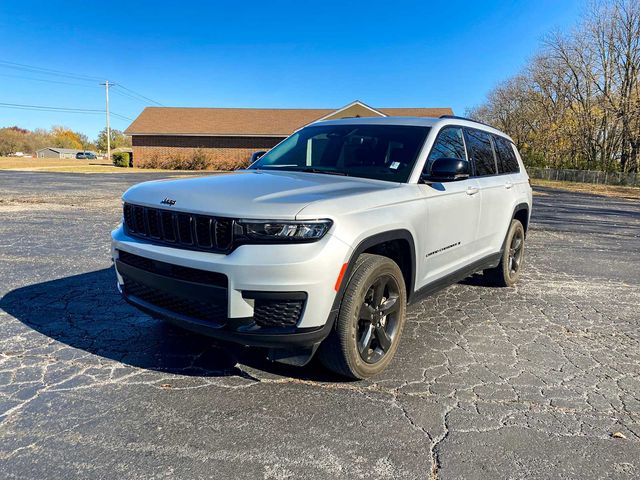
(66, 138)
(118, 139)
(15, 139)
(12, 140)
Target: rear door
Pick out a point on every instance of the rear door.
(495, 190)
(508, 164)
(515, 183)
(451, 211)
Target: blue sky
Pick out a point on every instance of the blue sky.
(264, 54)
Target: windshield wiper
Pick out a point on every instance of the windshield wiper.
(289, 168)
(318, 170)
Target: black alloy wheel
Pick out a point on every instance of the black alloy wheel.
(369, 325)
(516, 252)
(508, 271)
(378, 319)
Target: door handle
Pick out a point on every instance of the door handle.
(472, 190)
(508, 185)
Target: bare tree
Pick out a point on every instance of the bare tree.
(577, 102)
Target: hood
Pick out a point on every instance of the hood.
(251, 193)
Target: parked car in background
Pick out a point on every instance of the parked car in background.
(85, 156)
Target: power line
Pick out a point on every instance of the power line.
(47, 80)
(126, 95)
(139, 95)
(47, 71)
(131, 97)
(124, 117)
(75, 76)
(46, 108)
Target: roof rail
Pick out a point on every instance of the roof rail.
(456, 117)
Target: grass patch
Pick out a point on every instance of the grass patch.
(17, 163)
(630, 193)
(70, 165)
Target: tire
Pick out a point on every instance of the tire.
(365, 337)
(508, 271)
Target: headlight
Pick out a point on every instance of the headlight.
(283, 230)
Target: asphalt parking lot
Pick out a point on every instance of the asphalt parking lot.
(537, 381)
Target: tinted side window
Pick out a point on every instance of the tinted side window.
(507, 161)
(449, 144)
(480, 151)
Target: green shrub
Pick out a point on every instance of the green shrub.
(120, 159)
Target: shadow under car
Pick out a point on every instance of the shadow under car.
(87, 312)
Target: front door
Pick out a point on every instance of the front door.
(451, 212)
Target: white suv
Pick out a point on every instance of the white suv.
(320, 244)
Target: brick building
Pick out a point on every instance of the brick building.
(231, 135)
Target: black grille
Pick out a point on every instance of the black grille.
(211, 310)
(189, 231)
(204, 235)
(277, 313)
(185, 226)
(223, 233)
(153, 218)
(168, 226)
(174, 271)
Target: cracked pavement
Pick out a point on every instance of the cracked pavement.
(537, 381)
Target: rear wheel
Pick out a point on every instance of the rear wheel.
(370, 321)
(508, 271)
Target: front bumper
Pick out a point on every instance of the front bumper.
(251, 270)
(233, 331)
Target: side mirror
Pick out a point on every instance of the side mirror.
(256, 155)
(448, 170)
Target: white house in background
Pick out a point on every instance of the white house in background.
(55, 152)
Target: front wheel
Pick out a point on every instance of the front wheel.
(508, 271)
(370, 321)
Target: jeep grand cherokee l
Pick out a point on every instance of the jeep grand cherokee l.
(322, 242)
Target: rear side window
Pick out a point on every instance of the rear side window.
(480, 151)
(507, 161)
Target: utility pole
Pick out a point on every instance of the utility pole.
(106, 89)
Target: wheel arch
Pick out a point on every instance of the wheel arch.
(376, 244)
(521, 213)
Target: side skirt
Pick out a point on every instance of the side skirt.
(466, 271)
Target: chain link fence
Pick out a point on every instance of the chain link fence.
(585, 176)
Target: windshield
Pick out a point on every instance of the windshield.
(381, 152)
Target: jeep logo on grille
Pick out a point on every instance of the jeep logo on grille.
(168, 201)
